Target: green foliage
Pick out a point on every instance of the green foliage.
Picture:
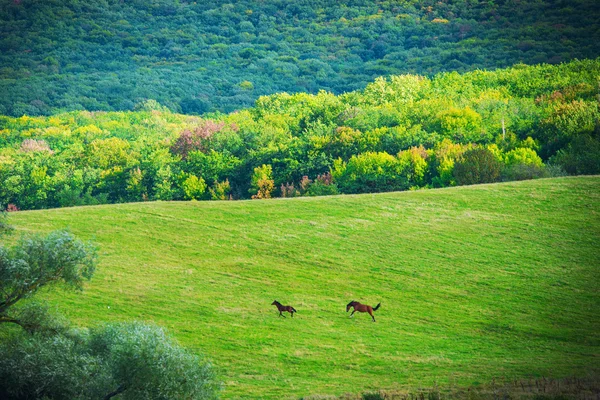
(130, 360)
(369, 172)
(220, 190)
(262, 183)
(522, 163)
(197, 57)
(322, 186)
(582, 156)
(524, 115)
(51, 367)
(477, 165)
(460, 125)
(141, 361)
(193, 187)
(566, 121)
(35, 262)
(5, 227)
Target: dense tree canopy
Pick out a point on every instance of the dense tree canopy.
(401, 132)
(199, 56)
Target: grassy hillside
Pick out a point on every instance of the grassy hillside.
(475, 283)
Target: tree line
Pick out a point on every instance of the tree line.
(399, 133)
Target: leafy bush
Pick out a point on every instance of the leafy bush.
(521, 172)
(131, 360)
(322, 186)
(262, 184)
(36, 262)
(220, 190)
(193, 187)
(581, 157)
(478, 165)
(141, 361)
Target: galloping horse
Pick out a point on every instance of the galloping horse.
(362, 308)
(282, 308)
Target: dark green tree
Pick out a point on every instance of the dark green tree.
(477, 165)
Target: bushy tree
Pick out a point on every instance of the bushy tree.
(142, 361)
(262, 184)
(193, 187)
(580, 157)
(220, 190)
(478, 165)
(322, 186)
(38, 261)
(521, 164)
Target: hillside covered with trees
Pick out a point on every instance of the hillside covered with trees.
(200, 56)
(399, 133)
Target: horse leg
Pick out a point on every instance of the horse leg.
(372, 316)
(352, 314)
(281, 315)
(291, 312)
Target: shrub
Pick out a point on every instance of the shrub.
(522, 164)
(131, 360)
(262, 183)
(444, 158)
(193, 187)
(142, 361)
(322, 186)
(581, 157)
(220, 190)
(521, 172)
(289, 190)
(413, 165)
(478, 165)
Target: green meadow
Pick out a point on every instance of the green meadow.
(476, 283)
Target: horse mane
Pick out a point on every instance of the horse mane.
(352, 302)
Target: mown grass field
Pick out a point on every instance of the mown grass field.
(476, 283)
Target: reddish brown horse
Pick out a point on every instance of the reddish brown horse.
(362, 308)
(283, 308)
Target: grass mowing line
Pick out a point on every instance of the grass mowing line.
(475, 282)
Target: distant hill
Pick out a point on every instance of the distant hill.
(220, 55)
(475, 283)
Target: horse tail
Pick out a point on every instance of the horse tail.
(294, 310)
(376, 308)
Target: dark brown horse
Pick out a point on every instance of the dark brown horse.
(362, 308)
(283, 308)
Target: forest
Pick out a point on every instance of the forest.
(196, 56)
(402, 132)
